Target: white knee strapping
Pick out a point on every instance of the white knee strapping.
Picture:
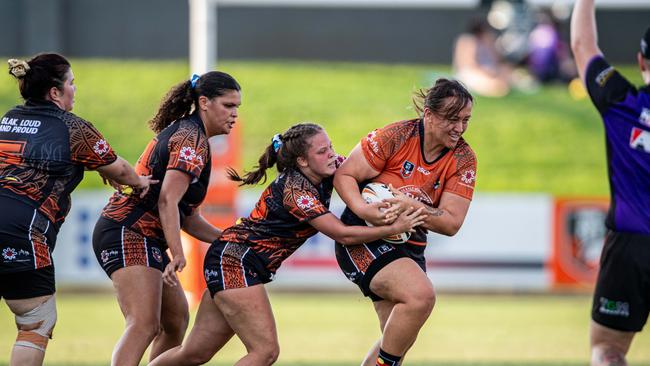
(35, 327)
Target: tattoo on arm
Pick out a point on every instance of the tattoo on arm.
(434, 211)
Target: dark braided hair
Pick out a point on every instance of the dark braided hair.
(182, 97)
(40, 74)
(294, 145)
(435, 97)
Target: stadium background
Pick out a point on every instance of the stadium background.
(351, 68)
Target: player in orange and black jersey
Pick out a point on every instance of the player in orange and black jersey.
(292, 208)
(133, 234)
(44, 150)
(430, 166)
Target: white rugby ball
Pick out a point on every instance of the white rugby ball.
(376, 192)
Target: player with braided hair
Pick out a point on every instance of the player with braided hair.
(293, 208)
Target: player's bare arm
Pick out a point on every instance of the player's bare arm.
(584, 37)
(355, 169)
(198, 227)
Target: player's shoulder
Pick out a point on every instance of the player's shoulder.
(605, 84)
(463, 152)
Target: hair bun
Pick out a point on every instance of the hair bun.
(18, 68)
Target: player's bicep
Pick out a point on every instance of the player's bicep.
(357, 167)
(174, 186)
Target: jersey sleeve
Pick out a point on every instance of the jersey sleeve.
(188, 151)
(303, 203)
(462, 179)
(87, 146)
(378, 146)
(605, 85)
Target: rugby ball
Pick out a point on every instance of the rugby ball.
(376, 192)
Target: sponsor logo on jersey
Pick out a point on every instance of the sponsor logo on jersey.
(305, 202)
(640, 140)
(157, 256)
(603, 76)
(644, 118)
(373, 143)
(101, 147)
(187, 154)
(468, 176)
(423, 171)
(615, 308)
(407, 169)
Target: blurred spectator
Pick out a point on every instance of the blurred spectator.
(477, 63)
(549, 57)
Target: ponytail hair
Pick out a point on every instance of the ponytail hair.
(183, 96)
(292, 144)
(39, 74)
(435, 97)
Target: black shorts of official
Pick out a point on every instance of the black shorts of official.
(230, 265)
(360, 263)
(116, 246)
(27, 284)
(622, 296)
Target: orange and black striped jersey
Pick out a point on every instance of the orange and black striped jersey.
(182, 146)
(396, 151)
(44, 151)
(279, 223)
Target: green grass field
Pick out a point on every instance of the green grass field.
(337, 329)
(542, 142)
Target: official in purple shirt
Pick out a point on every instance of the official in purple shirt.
(622, 297)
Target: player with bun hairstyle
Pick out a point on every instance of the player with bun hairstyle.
(134, 232)
(621, 300)
(44, 150)
(429, 166)
(294, 207)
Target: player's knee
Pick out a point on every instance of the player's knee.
(422, 300)
(147, 327)
(604, 354)
(35, 327)
(271, 354)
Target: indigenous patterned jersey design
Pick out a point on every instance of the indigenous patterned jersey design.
(396, 151)
(626, 114)
(183, 146)
(279, 223)
(43, 153)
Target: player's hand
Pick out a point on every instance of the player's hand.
(410, 219)
(378, 213)
(110, 182)
(400, 202)
(176, 265)
(143, 185)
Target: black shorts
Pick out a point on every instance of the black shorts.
(360, 263)
(27, 237)
(233, 265)
(27, 284)
(117, 246)
(622, 297)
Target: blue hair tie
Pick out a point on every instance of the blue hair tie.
(193, 80)
(277, 142)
